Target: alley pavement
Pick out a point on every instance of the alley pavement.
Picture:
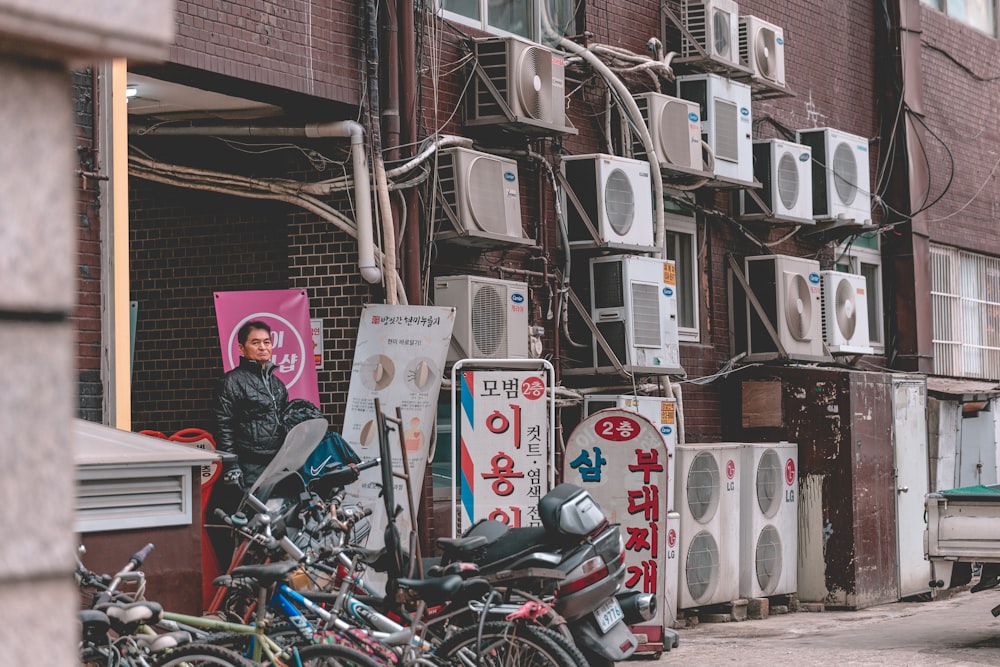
(956, 631)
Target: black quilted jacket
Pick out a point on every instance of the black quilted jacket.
(249, 403)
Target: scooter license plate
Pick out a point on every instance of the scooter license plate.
(608, 614)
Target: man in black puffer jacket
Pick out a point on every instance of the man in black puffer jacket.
(249, 403)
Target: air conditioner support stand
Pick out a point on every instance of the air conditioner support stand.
(752, 193)
(685, 33)
(497, 96)
(578, 205)
(598, 336)
(759, 309)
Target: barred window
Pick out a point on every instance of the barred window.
(980, 14)
(965, 297)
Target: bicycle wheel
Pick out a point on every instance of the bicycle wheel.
(566, 644)
(199, 655)
(503, 644)
(335, 655)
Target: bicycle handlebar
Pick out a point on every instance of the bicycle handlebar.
(139, 556)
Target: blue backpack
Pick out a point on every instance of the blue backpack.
(331, 452)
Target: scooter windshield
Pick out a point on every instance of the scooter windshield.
(299, 444)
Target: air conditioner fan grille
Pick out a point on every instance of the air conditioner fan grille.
(846, 307)
(787, 180)
(769, 478)
(845, 173)
(489, 322)
(767, 559)
(701, 566)
(703, 487)
(619, 202)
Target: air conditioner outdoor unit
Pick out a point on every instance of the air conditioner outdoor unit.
(616, 197)
(661, 412)
(784, 170)
(769, 525)
(491, 316)
(788, 289)
(708, 500)
(634, 306)
(714, 25)
(725, 122)
(762, 49)
(844, 301)
(518, 85)
(840, 172)
(674, 126)
(479, 202)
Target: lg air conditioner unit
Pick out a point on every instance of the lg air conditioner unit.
(725, 122)
(714, 27)
(674, 126)
(769, 525)
(708, 500)
(840, 172)
(491, 316)
(788, 290)
(518, 85)
(634, 306)
(845, 313)
(616, 201)
(784, 170)
(661, 412)
(479, 202)
(762, 49)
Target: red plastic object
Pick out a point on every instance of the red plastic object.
(155, 434)
(202, 439)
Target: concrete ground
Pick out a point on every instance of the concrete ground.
(959, 630)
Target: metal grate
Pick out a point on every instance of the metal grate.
(965, 302)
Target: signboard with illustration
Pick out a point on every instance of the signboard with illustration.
(620, 458)
(399, 358)
(287, 313)
(504, 449)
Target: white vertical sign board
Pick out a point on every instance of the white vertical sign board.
(620, 458)
(504, 451)
(399, 359)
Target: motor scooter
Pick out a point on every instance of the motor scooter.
(576, 558)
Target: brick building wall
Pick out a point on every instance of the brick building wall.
(305, 46)
(832, 81)
(86, 316)
(960, 89)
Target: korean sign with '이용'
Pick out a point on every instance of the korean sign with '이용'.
(620, 458)
(504, 449)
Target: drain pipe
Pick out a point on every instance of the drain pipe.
(367, 267)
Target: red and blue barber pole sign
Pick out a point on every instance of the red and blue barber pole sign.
(620, 458)
(504, 446)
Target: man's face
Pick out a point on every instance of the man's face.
(258, 346)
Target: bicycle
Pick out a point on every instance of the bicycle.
(144, 617)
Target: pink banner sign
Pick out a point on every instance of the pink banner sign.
(287, 313)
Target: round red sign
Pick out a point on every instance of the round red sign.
(671, 538)
(730, 469)
(533, 388)
(616, 429)
(790, 472)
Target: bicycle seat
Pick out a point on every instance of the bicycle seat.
(433, 591)
(95, 626)
(154, 643)
(126, 617)
(267, 574)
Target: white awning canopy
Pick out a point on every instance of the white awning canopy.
(99, 445)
